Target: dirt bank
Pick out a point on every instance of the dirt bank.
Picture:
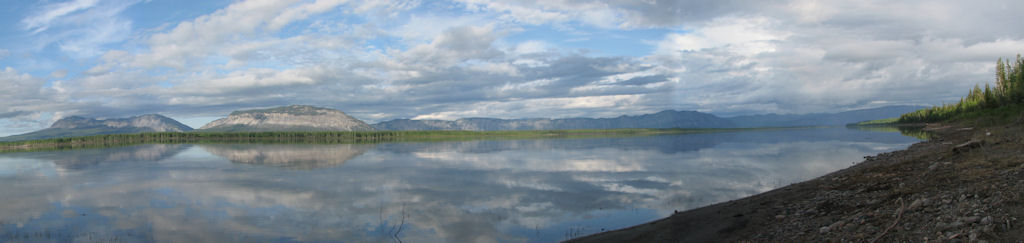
(966, 184)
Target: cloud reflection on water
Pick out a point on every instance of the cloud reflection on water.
(468, 191)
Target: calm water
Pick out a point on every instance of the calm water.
(468, 191)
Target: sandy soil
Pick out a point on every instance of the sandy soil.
(966, 184)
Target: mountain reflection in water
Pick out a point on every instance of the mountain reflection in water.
(289, 156)
(538, 190)
(81, 159)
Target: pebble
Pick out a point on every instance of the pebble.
(836, 225)
(823, 229)
(969, 219)
(870, 228)
(780, 216)
(920, 202)
(945, 226)
(987, 220)
(850, 228)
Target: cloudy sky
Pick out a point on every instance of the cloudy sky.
(378, 60)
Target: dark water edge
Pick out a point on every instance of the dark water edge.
(533, 190)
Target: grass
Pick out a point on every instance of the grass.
(325, 137)
(879, 122)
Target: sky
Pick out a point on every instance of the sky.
(196, 61)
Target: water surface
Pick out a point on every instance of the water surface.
(538, 190)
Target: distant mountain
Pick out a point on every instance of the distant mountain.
(287, 118)
(822, 119)
(73, 126)
(310, 118)
(664, 119)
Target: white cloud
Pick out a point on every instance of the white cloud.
(749, 36)
(25, 99)
(453, 46)
(530, 86)
(79, 28)
(42, 21)
(532, 46)
(812, 11)
(611, 105)
(517, 11)
(258, 78)
(956, 50)
(794, 58)
(302, 11)
(497, 68)
(59, 74)
(388, 59)
(617, 14)
(18, 86)
(206, 34)
(424, 28)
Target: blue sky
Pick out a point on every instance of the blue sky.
(378, 60)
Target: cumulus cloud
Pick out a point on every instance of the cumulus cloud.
(409, 59)
(19, 87)
(24, 96)
(533, 46)
(748, 36)
(206, 34)
(453, 46)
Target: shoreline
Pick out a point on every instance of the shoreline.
(964, 184)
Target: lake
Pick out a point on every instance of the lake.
(536, 190)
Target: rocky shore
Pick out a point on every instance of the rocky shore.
(965, 184)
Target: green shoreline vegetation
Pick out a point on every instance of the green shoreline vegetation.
(998, 104)
(879, 122)
(111, 140)
(1001, 104)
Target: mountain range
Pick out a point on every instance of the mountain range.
(311, 118)
(663, 119)
(822, 119)
(74, 126)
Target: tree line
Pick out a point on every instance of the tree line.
(1008, 91)
(316, 137)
